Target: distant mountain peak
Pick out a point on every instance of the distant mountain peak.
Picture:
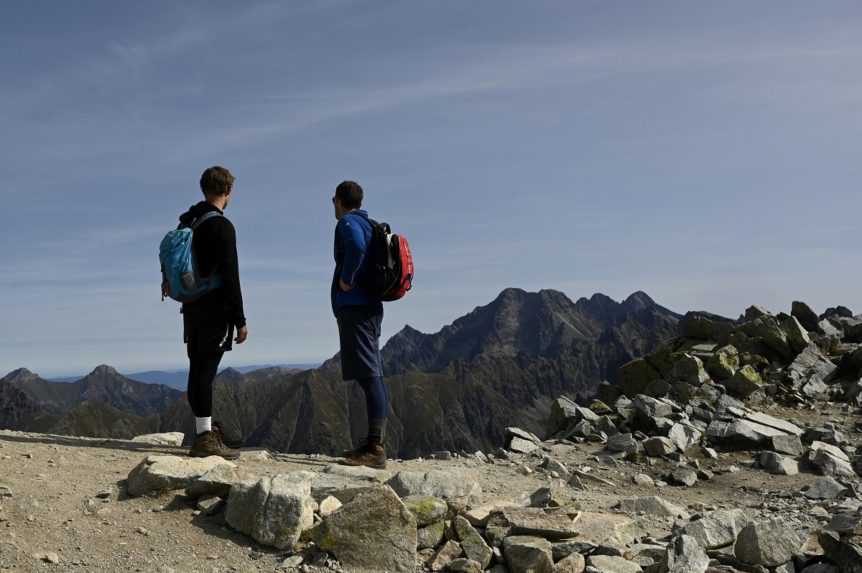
(104, 370)
(639, 299)
(21, 375)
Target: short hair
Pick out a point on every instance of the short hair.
(217, 180)
(350, 194)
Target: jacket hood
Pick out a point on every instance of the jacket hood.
(196, 211)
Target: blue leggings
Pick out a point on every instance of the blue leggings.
(377, 402)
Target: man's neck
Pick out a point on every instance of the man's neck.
(218, 202)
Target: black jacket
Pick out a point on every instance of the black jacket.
(214, 248)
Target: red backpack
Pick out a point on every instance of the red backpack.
(390, 272)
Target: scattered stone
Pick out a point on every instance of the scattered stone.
(653, 506)
(806, 317)
(744, 383)
(5, 491)
(329, 506)
(291, 562)
(210, 505)
(643, 480)
(533, 521)
(683, 477)
(48, 557)
(273, 510)
(768, 543)
(525, 554)
(164, 473)
(786, 444)
(170, 439)
(724, 363)
(844, 553)
(573, 563)
(684, 436)
(374, 530)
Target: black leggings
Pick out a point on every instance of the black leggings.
(205, 346)
(377, 403)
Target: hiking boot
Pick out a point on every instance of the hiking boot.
(372, 456)
(218, 430)
(209, 444)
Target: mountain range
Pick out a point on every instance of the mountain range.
(457, 389)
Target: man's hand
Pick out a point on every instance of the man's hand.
(344, 286)
(241, 335)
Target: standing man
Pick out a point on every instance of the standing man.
(209, 321)
(359, 317)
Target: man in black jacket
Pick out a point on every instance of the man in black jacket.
(209, 321)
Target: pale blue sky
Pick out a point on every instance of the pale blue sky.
(707, 153)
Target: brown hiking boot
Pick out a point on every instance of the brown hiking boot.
(209, 444)
(372, 456)
(218, 430)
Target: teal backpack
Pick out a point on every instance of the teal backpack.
(180, 280)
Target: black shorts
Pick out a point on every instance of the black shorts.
(206, 337)
(359, 333)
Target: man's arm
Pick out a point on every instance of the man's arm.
(355, 247)
(230, 276)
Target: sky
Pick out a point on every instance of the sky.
(706, 153)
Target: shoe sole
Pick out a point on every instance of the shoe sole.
(357, 465)
(229, 457)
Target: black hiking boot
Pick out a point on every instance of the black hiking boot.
(209, 444)
(373, 456)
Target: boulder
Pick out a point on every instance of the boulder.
(683, 477)
(464, 566)
(786, 444)
(778, 464)
(658, 446)
(171, 439)
(810, 364)
(744, 383)
(610, 564)
(448, 553)
(768, 329)
(843, 552)
(806, 317)
(573, 563)
(474, 546)
(767, 543)
(158, 473)
(534, 521)
(216, 481)
(447, 485)
(374, 531)
(685, 555)
(797, 336)
(830, 465)
(636, 376)
(564, 413)
(689, 369)
(430, 536)
(684, 436)
(724, 363)
(426, 509)
(826, 488)
(650, 408)
(272, 510)
(706, 326)
(717, 529)
(525, 554)
(623, 443)
(329, 505)
(652, 506)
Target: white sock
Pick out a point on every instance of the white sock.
(203, 425)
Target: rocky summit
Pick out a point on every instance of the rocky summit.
(731, 447)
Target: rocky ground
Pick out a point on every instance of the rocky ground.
(734, 448)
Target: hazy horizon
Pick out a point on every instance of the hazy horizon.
(705, 153)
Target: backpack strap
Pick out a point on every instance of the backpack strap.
(203, 218)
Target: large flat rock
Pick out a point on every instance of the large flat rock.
(158, 473)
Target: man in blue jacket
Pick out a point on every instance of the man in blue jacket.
(359, 317)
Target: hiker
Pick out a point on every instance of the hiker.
(209, 321)
(359, 316)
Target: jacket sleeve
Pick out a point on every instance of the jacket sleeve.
(230, 276)
(355, 245)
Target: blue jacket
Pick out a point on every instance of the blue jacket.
(352, 237)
